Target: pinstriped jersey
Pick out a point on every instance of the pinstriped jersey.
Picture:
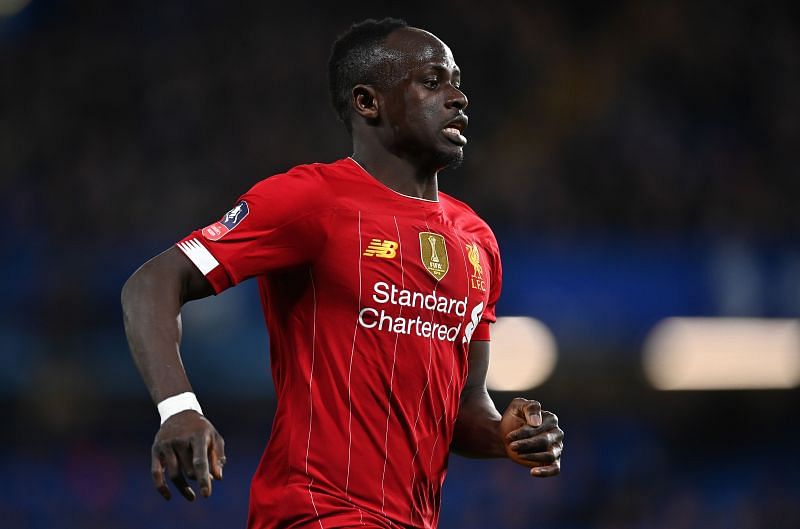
(371, 299)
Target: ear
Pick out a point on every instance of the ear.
(365, 101)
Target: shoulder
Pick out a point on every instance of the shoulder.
(313, 186)
(466, 220)
(301, 191)
(317, 178)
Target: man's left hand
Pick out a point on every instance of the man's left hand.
(532, 437)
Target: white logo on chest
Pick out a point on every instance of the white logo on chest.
(475, 317)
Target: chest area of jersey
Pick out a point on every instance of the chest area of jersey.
(407, 275)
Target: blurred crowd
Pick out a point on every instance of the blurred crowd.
(618, 473)
(666, 116)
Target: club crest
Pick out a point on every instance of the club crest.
(433, 251)
(474, 256)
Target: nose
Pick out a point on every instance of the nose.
(457, 99)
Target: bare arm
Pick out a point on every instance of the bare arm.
(477, 430)
(151, 303)
(151, 306)
(524, 433)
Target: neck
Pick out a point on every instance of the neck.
(397, 173)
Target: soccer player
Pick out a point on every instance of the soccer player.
(378, 292)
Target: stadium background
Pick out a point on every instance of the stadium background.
(638, 160)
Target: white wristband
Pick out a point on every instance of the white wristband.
(178, 403)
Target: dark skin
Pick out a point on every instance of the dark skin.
(403, 134)
(397, 130)
(187, 445)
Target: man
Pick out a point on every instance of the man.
(378, 293)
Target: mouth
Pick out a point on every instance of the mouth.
(454, 129)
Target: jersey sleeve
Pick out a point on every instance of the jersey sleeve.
(279, 223)
(495, 286)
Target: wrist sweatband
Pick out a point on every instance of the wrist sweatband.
(178, 403)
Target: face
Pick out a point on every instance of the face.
(423, 114)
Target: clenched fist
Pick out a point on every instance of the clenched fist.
(532, 437)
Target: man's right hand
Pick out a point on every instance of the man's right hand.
(187, 446)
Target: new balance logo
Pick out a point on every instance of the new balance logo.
(379, 248)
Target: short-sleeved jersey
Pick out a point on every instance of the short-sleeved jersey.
(371, 298)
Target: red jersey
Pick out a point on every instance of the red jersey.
(371, 298)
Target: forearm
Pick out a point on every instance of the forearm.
(477, 429)
(151, 304)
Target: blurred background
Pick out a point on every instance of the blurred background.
(637, 160)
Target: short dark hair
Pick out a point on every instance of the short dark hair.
(358, 57)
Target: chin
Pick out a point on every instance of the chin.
(451, 159)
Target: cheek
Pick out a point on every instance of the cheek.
(415, 116)
(421, 108)
(427, 117)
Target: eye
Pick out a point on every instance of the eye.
(431, 83)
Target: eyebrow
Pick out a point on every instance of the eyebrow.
(440, 68)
